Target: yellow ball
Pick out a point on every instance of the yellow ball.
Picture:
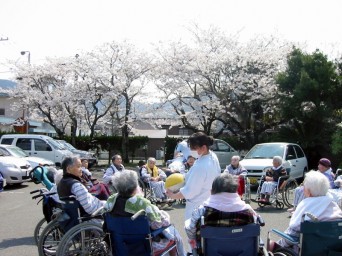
(174, 182)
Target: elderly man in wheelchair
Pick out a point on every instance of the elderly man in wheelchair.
(223, 222)
(320, 207)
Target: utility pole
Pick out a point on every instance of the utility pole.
(3, 39)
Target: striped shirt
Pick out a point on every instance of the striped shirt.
(89, 202)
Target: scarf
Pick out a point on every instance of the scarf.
(134, 204)
(226, 202)
(153, 172)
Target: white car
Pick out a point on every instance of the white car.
(260, 158)
(10, 150)
(14, 170)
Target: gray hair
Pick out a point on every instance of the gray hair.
(236, 157)
(316, 183)
(125, 182)
(224, 183)
(69, 161)
(151, 159)
(278, 159)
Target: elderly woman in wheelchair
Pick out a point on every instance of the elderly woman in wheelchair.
(316, 202)
(224, 208)
(127, 202)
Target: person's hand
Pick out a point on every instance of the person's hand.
(192, 243)
(169, 193)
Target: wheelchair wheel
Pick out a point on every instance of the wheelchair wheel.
(84, 239)
(39, 229)
(143, 187)
(279, 205)
(288, 192)
(50, 238)
(247, 195)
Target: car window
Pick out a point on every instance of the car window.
(16, 151)
(223, 147)
(7, 141)
(291, 153)
(266, 151)
(214, 146)
(24, 143)
(41, 145)
(55, 144)
(299, 151)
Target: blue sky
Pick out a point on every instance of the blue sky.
(65, 27)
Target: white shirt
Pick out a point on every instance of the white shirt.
(199, 181)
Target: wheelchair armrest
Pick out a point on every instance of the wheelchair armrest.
(156, 232)
(292, 239)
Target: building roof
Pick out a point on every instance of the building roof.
(154, 134)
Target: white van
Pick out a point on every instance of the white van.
(260, 158)
(37, 145)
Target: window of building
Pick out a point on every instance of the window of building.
(2, 111)
(183, 131)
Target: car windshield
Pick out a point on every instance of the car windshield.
(265, 151)
(66, 145)
(17, 152)
(55, 144)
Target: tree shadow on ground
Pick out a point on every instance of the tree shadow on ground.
(12, 242)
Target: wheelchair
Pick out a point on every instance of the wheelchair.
(283, 193)
(57, 230)
(316, 238)
(244, 189)
(131, 236)
(51, 209)
(238, 240)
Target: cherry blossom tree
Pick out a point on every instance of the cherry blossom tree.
(218, 83)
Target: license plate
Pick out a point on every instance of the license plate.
(253, 180)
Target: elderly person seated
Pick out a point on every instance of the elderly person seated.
(324, 166)
(224, 207)
(151, 174)
(271, 179)
(71, 185)
(128, 201)
(235, 168)
(316, 202)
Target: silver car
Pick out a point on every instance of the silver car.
(224, 152)
(14, 170)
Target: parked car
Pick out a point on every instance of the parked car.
(224, 152)
(92, 160)
(260, 157)
(10, 150)
(37, 145)
(14, 170)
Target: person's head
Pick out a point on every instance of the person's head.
(72, 165)
(84, 163)
(141, 163)
(315, 184)
(125, 183)
(200, 142)
(190, 160)
(179, 140)
(224, 183)
(277, 161)
(117, 160)
(151, 162)
(235, 161)
(324, 164)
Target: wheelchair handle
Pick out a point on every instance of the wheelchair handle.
(260, 221)
(137, 214)
(34, 191)
(97, 212)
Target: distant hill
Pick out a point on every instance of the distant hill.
(7, 84)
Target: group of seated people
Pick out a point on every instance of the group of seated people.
(223, 208)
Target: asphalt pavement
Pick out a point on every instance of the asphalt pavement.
(20, 214)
